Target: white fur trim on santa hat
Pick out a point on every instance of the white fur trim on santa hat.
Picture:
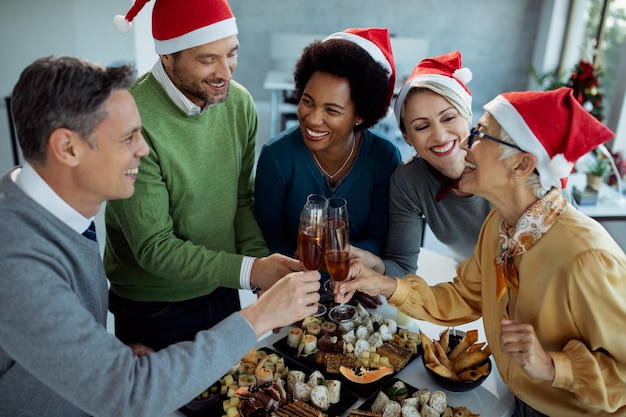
(207, 34)
(369, 46)
(420, 80)
(551, 170)
(121, 24)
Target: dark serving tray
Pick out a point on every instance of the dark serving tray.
(347, 399)
(367, 404)
(362, 390)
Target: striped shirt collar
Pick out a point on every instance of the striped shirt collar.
(180, 100)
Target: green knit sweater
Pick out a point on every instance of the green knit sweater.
(191, 219)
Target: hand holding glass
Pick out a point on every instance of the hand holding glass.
(338, 253)
(312, 235)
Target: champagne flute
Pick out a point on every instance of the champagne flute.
(312, 236)
(337, 255)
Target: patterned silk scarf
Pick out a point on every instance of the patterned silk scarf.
(515, 241)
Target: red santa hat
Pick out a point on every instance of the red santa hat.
(179, 25)
(445, 70)
(377, 44)
(553, 126)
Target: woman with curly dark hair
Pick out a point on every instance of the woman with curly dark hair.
(344, 85)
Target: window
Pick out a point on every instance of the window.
(606, 28)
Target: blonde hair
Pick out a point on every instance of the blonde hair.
(464, 108)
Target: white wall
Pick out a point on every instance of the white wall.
(497, 39)
(31, 29)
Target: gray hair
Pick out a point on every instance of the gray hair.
(532, 181)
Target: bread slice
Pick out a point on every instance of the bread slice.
(397, 353)
(334, 360)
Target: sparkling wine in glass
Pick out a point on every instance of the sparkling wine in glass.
(337, 255)
(312, 236)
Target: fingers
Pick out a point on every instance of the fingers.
(343, 294)
(520, 343)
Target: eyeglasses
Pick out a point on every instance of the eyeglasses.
(474, 133)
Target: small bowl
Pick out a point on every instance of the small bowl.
(457, 386)
(206, 404)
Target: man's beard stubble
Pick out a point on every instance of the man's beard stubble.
(195, 91)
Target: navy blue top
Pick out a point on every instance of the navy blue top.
(286, 174)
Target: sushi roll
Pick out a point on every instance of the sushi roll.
(428, 411)
(329, 327)
(246, 380)
(392, 409)
(314, 329)
(309, 320)
(409, 410)
(246, 368)
(414, 401)
(379, 403)
(316, 378)
(293, 377)
(302, 392)
(264, 375)
(334, 390)
(293, 337)
(319, 397)
(399, 387)
(438, 401)
(423, 395)
(310, 343)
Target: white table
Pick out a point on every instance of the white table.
(492, 398)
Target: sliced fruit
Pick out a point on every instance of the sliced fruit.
(363, 374)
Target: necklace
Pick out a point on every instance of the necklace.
(331, 177)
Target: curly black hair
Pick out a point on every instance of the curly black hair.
(367, 78)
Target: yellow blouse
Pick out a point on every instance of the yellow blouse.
(572, 290)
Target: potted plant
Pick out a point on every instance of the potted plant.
(597, 171)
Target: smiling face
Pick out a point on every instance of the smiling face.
(326, 112)
(107, 171)
(485, 173)
(435, 128)
(203, 73)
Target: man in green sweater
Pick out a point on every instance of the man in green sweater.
(178, 250)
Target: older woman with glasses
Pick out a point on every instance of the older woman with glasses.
(547, 280)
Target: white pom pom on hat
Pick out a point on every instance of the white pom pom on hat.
(121, 24)
(446, 70)
(179, 25)
(553, 126)
(463, 74)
